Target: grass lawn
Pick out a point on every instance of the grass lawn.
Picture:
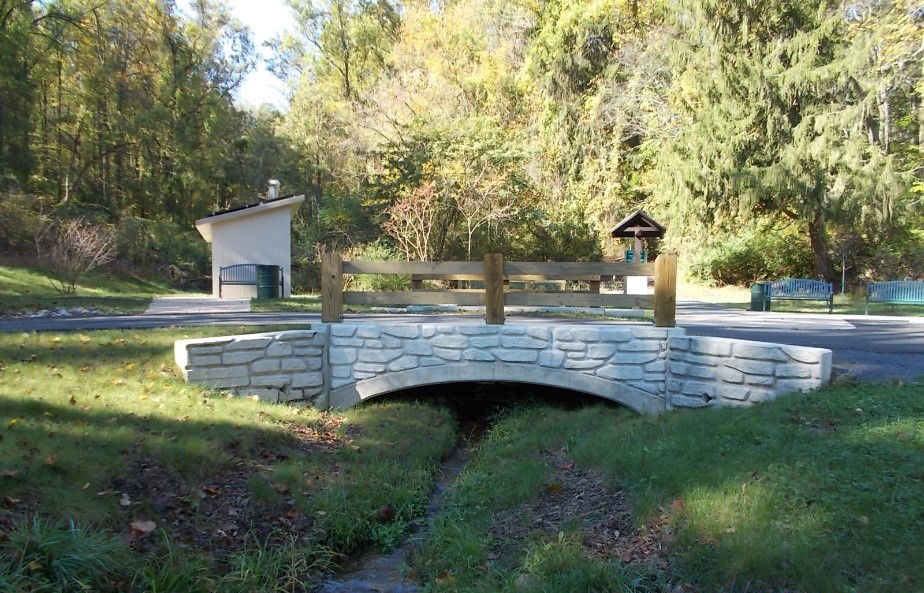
(175, 488)
(819, 493)
(25, 289)
(310, 303)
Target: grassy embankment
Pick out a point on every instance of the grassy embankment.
(24, 289)
(176, 488)
(819, 493)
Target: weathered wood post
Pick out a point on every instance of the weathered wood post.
(665, 290)
(331, 287)
(494, 288)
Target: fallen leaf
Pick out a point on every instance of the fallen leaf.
(72, 401)
(210, 490)
(10, 501)
(12, 423)
(567, 464)
(387, 512)
(9, 473)
(677, 504)
(280, 487)
(863, 519)
(142, 527)
(125, 500)
(85, 486)
(34, 565)
(51, 459)
(553, 487)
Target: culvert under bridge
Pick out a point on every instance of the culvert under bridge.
(645, 368)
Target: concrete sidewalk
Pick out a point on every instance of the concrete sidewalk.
(191, 304)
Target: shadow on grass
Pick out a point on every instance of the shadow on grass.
(809, 493)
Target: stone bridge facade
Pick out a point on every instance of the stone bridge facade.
(645, 368)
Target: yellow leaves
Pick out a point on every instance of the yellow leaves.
(13, 422)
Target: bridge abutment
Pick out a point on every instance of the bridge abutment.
(646, 368)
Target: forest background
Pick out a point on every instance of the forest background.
(771, 137)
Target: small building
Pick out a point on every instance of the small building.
(637, 226)
(259, 233)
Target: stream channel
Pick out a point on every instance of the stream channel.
(475, 406)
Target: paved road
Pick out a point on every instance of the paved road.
(865, 347)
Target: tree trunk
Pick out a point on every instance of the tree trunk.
(885, 119)
(819, 243)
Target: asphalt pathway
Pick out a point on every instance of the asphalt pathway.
(869, 348)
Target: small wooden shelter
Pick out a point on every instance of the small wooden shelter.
(638, 225)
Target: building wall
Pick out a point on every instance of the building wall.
(263, 238)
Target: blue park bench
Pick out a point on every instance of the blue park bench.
(802, 289)
(895, 292)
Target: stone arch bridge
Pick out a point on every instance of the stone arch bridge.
(645, 368)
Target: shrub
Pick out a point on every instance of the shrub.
(179, 255)
(758, 255)
(377, 250)
(73, 248)
(20, 221)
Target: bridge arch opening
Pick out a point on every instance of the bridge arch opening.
(492, 395)
(536, 377)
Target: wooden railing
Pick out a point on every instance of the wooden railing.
(496, 275)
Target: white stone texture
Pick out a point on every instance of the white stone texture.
(663, 365)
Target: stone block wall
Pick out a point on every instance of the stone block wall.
(283, 366)
(661, 365)
(720, 371)
(634, 354)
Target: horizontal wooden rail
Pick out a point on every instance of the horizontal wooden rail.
(439, 268)
(570, 270)
(513, 270)
(415, 297)
(496, 273)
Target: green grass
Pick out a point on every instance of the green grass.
(79, 410)
(297, 304)
(816, 493)
(24, 289)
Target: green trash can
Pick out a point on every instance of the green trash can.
(760, 296)
(267, 282)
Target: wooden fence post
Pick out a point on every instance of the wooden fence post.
(331, 287)
(494, 288)
(665, 290)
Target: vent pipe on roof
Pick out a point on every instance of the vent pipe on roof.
(273, 191)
